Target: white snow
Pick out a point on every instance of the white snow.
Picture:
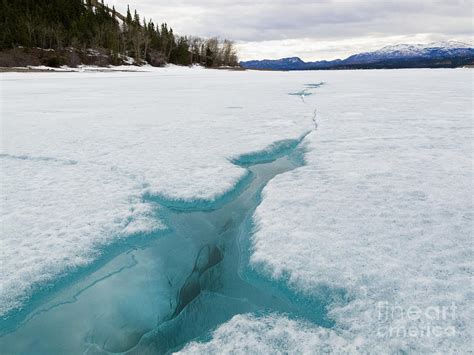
(80, 150)
(129, 67)
(383, 209)
(55, 214)
(270, 334)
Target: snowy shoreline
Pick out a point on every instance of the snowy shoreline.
(107, 69)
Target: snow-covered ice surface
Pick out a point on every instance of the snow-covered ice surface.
(383, 209)
(80, 151)
(379, 219)
(271, 334)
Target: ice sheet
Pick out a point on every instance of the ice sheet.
(80, 151)
(383, 209)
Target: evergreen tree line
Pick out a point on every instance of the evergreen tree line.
(90, 24)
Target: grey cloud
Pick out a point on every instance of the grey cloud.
(321, 20)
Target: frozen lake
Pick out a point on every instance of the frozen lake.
(216, 211)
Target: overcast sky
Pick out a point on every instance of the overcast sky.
(312, 29)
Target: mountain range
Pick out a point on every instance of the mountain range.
(448, 54)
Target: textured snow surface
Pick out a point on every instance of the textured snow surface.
(55, 213)
(270, 334)
(383, 209)
(79, 151)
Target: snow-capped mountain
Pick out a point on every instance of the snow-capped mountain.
(436, 54)
(437, 50)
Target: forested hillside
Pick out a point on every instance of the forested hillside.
(78, 31)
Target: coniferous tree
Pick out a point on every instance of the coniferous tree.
(129, 15)
(82, 25)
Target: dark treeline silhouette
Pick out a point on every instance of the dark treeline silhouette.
(79, 28)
